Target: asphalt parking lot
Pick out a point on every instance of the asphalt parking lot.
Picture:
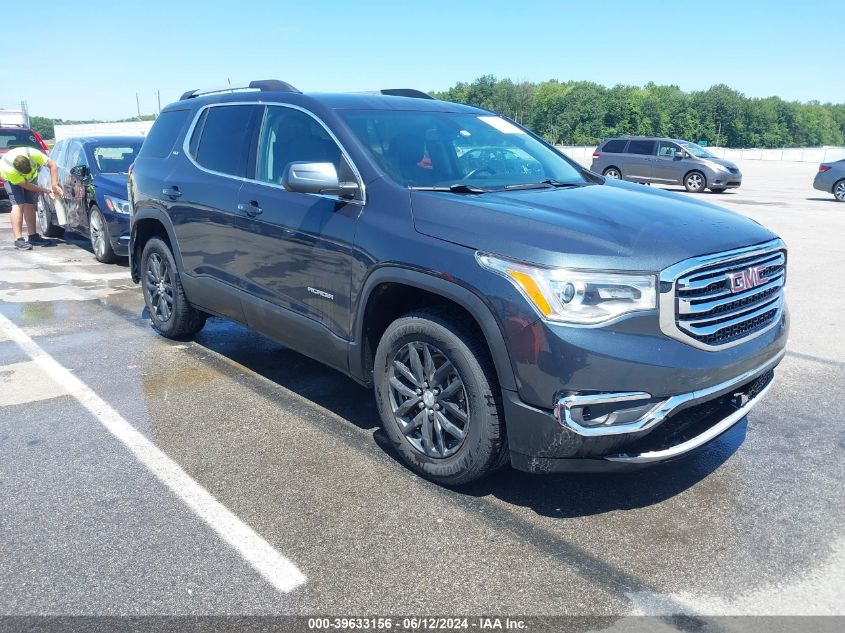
(143, 476)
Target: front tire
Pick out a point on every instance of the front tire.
(438, 397)
(98, 232)
(44, 220)
(839, 190)
(718, 189)
(695, 182)
(171, 315)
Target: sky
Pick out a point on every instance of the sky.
(87, 59)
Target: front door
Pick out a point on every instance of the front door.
(668, 168)
(301, 244)
(75, 187)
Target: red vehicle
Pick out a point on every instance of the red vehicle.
(17, 136)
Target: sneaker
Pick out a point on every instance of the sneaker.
(37, 240)
(22, 245)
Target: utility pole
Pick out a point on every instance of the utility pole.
(138, 105)
(158, 99)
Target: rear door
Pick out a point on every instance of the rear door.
(668, 168)
(301, 244)
(639, 160)
(201, 194)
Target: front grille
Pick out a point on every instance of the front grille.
(710, 314)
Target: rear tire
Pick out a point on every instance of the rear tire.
(695, 182)
(613, 173)
(98, 232)
(442, 410)
(171, 315)
(839, 190)
(44, 220)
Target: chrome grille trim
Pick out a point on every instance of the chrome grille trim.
(698, 307)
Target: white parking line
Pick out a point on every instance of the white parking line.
(275, 568)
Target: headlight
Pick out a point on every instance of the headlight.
(117, 205)
(573, 296)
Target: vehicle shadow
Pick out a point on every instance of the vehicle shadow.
(828, 199)
(561, 495)
(80, 241)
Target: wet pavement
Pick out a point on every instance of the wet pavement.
(753, 524)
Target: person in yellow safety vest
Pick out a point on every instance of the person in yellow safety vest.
(19, 170)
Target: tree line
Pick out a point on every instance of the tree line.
(583, 113)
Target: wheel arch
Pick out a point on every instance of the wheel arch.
(148, 223)
(391, 291)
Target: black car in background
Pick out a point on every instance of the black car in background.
(92, 173)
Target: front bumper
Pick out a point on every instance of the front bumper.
(667, 430)
(724, 180)
(119, 233)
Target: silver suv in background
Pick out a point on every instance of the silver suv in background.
(647, 159)
(831, 178)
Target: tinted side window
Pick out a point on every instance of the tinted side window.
(76, 155)
(164, 133)
(226, 138)
(641, 147)
(58, 153)
(616, 146)
(667, 149)
(289, 135)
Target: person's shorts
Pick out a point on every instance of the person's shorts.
(19, 195)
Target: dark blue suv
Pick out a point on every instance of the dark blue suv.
(506, 304)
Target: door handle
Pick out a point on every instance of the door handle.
(172, 192)
(252, 209)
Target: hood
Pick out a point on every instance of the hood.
(618, 225)
(112, 184)
(723, 162)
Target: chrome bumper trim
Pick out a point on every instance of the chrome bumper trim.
(660, 411)
(699, 440)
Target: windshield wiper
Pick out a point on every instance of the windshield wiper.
(543, 184)
(458, 187)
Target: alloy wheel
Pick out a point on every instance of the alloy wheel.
(613, 173)
(428, 400)
(41, 217)
(695, 182)
(839, 191)
(159, 286)
(98, 235)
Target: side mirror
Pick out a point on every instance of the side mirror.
(679, 154)
(321, 178)
(80, 171)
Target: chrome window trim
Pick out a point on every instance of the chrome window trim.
(656, 414)
(187, 141)
(668, 284)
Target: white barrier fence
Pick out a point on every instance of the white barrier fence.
(125, 128)
(583, 153)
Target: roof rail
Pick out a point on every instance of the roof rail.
(264, 85)
(405, 92)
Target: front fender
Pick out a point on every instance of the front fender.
(459, 294)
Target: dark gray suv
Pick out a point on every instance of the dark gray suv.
(506, 304)
(666, 161)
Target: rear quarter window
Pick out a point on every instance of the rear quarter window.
(165, 132)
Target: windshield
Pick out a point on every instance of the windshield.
(697, 150)
(114, 159)
(440, 149)
(10, 139)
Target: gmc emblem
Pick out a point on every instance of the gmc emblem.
(746, 279)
